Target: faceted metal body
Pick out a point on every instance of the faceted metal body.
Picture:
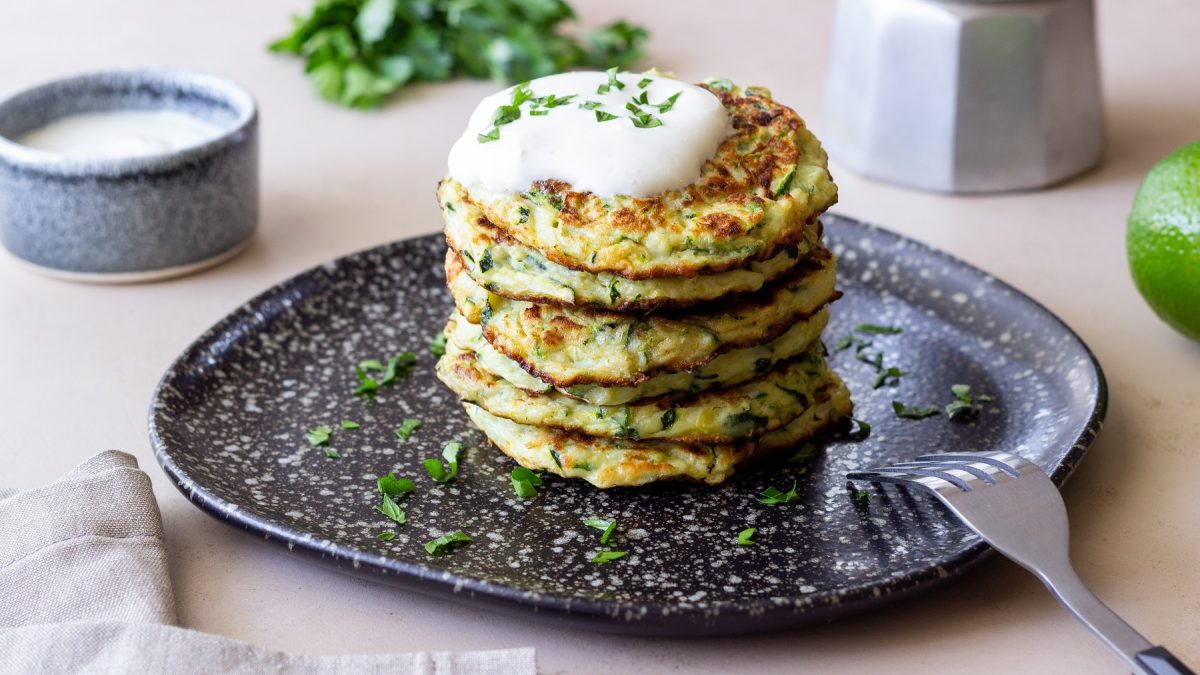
(965, 96)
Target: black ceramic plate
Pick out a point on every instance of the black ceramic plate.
(228, 425)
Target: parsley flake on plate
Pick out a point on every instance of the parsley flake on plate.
(441, 473)
(802, 454)
(746, 537)
(399, 366)
(319, 435)
(447, 543)
(350, 424)
(438, 346)
(386, 535)
(332, 454)
(391, 486)
(606, 527)
(876, 329)
(608, 556)
(860, 431)
(919, 412)
(391, 509)
(773, 496)
(892, 373)
(964, 407)
(525, 482)
(406, 428)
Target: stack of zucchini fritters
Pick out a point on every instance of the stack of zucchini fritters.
(625, 340)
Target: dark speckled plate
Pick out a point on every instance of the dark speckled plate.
(229, 418)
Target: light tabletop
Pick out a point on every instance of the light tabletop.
(78, 363)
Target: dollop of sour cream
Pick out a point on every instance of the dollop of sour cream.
(579, 143)
(120, 133)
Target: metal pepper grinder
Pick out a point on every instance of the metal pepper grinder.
(966, 95)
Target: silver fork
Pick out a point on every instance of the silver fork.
(1011, 503)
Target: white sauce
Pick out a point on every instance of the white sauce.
(607, 158)
(120, 133)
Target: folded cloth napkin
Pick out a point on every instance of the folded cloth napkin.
(84, 589)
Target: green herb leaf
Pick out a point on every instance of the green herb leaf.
(391, 486)
(602, 116)
(406, 428)
(506, 114)
(444, 474)
(590, 105)
(438, 346)
(492, 135)
(399, 366)
(370, 364)
(606, 527)
(447, 543)
(367, 385)
(525, 482)
(863, 495)
(391, 509)
(386, 536)
(892, 373)
(802, 454)
(644, 82)
(875, 329)
(721, 85)
(350, 424)
(608, 556)
(961, 391)
(862, 431)
(332, 454)
(773, 496)
(746, 537)
(913, 412)
(668, 419)
(319, 435)
(666, 105)
(646, 122)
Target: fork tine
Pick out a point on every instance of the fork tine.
(992, 458)
(948, 467)
(911, 474)
(909, 480)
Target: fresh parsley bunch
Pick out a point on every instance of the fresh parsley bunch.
(358, 52)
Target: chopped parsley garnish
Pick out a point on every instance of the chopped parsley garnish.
(525, 482)
(602, 116)
(441, 473)
(319, 435)
(802, 454)
(590, 105)
(913, 412)
(891, 373)
(391, 486)
(644, 82)
(406, 428)
(350, 424)
(332, 454)
(492, 135)
(964, 407)
(773, 496)
(861, 431)
(876, 329)
(392, 510)
(613, 82)
(863, 495)
(485, 260)
(668, 419)
(721, 85)
(387, 535)
(506, 114)
(746, 537)
(606, 527)
(370, 364)
(666, 105)
(447, 543)
(608, 556)
(399, 366)
(438, 346)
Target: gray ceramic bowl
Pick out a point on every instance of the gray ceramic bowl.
(135, 218)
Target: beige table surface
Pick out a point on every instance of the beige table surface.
(78, 363)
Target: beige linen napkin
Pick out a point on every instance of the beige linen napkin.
(84, 589)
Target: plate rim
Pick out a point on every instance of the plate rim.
(723, 617)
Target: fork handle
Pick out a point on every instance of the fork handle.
(1137, 652)
(1159, 661)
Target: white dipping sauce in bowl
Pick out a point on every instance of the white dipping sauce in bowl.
(120, 133)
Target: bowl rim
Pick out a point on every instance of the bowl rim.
(67, 166)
